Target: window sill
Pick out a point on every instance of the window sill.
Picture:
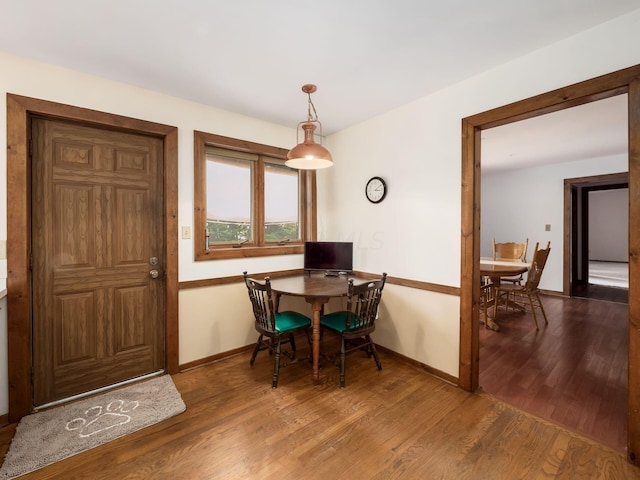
(220, 253)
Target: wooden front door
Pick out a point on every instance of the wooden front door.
(96, 243)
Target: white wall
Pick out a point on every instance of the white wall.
(517, 204)
(414, 233)
(609, 225)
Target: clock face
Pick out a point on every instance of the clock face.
(376, 190)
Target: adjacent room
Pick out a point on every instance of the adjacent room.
(527, 161)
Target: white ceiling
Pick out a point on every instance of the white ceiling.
(252, 56)
(594, 130)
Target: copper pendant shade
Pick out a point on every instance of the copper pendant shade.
(309, 155)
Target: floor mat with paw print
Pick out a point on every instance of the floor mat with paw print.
(52, 435)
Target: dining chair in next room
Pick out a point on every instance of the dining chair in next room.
(511, 252)
(529, 291)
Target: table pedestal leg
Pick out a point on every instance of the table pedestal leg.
(490, 323)
(316, 304)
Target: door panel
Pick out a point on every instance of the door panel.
(98, 316)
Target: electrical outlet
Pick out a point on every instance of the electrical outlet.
(3, 249)
(547, 227)
(186, 233)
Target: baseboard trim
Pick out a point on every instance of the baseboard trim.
(236, 351)
(428, 369)
(215, 358)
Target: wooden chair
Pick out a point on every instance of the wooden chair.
(511, 252)
(357, 322)
(530, 289)
(277, 327)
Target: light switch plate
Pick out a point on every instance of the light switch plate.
(186, 233)
(3, 249)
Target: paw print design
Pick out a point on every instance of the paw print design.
(98, 419)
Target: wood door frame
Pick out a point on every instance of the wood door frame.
(586, 184)
(19, 330)
(615, 83)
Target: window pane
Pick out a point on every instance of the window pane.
(281, 204)
(229, 199)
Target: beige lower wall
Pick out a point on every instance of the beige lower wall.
(214, 320)
(421, 325)
(417, 324)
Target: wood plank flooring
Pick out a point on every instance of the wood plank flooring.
(398, 423)
(572, 372)
(601, 292)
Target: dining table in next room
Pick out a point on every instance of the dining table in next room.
(495, 270)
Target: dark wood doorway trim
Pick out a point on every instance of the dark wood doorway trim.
(616, 83)
(571, 255)
(19, 109)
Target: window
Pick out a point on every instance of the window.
(281, 203)
(247, 201)
(229, 191)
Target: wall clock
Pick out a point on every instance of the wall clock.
(375, 190)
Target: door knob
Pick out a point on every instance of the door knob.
(154, 273)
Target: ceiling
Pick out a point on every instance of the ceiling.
(252, 56)
(593, 130)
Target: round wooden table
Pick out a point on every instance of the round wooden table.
(317, 289)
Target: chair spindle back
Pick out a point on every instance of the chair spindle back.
(362, 303)
(537, 266)
(262, 302)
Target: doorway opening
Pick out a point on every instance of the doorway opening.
(598, 226)
(523, 366)
(616, 83)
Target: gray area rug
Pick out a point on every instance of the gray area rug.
(52, 435)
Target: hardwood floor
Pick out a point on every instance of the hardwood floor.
(572, 372)
(398, 423)
(602, 292)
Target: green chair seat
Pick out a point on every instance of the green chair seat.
(338, 321)
(289, 320)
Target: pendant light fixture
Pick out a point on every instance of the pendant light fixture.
(309, 155)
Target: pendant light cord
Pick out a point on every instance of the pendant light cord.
(313, 118)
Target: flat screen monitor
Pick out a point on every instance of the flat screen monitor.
(328, 256)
